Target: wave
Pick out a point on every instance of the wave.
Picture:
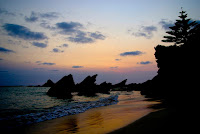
(60, 111)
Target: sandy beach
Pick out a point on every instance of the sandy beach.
(165, 121)
(98, 120)
(152, 123)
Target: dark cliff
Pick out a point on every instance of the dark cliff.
(176, 82)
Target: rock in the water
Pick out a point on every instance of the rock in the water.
(49, 83)
(87, 87)
(63, 88)
(104, 88)
(121, 84)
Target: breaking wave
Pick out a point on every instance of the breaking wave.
(60, 111)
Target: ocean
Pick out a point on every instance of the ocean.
(22, 106)
(27, 105)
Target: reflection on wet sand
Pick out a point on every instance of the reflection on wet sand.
(98, 120)
(95, 119)
(71, 125)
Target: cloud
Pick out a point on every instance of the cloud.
(45, 63)
(77, 66)
(19, 31)
(63, 45)
(145, 31)
(56, 50)
(132, 53)
(38, 44)
(166, 24)
(38, 62)
(2, 71)
(114, 67)
(48, 63)
(86, 37)
(38, 69)
(5, 12)
(144, 62)
(69, 28)
(73, 29)
(4, 50)
(97, 35)
(81, 37)
(117, 59)
(46, 25)
(49, 15)
(35, 16)
(54, 70)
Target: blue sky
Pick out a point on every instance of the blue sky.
(47, 39)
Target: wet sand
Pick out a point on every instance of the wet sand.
(98, 120)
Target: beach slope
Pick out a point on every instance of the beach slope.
(164, 121)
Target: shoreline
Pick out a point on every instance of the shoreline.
(97, 120)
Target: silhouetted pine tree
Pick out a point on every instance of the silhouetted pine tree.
(181, 31)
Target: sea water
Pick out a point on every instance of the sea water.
(27, 105)
(130, 107)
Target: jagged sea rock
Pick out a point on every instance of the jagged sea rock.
(49, 83)
(88, 86)
(104, 88)
(121, 84)
(63, 88)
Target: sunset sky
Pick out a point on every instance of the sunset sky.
(47, 39)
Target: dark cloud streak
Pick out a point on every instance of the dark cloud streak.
(38, 44)
(74, 29)
(69, 28)
(44, 63)
(56, 50)
(48, 63)
(144, 62)
(132, 53)
(22, 32)
(4, 50)
(77, 66)
(97, 35)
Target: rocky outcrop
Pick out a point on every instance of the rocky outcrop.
(49, 83)
(88, 86)
(104, 88)
(63, 88)
(121, 84)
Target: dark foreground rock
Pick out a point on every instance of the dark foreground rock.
(88, 86)
(63, 88)
(121, 84)
(104, 88)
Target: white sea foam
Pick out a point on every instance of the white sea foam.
(64, 110)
